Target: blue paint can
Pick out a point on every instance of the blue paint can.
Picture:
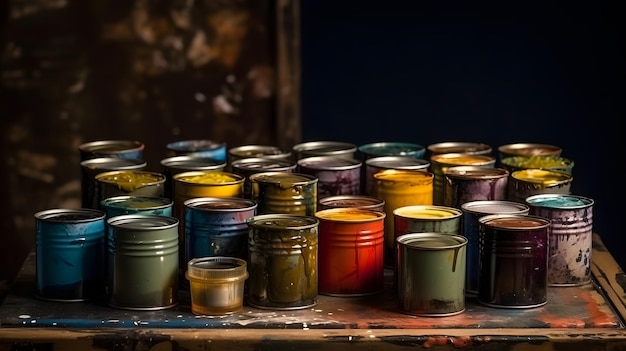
(128, 149)
(69, 246)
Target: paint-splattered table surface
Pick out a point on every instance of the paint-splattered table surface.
(582, 314)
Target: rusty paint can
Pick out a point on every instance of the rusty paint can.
(551, 163)
(335, 175)
(94, 166)
(131, 149)
(391, 148)
(528, 149)
(282, 261)
(285, 192)
(459, 147)
(431, 274)
(249, 166)
(199, 148)
(351, 248)
(130, 183)
(472, 212)
(528, 182)
(355, 201)
(171, 166)
(471, 183)
(380, 163)
(513, 261)
(439, 163)
(324, 148)
(570, 238)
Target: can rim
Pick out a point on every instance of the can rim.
(54, 214)
(470, 206)
(375, 215)
(587, 202)
(411, 240)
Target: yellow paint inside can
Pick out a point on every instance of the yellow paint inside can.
(131, 180)
(215, 177)
(348, 214)
(539, 176)
(426, 212)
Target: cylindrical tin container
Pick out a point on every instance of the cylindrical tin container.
(367, 151)
(551, 163)
(355, 201)
(282, 261)
(178, 164)
(129, 183)
(431, 274)
(471, 183)
(217, 227)
(131, 149)
(143, 262)
(351, 248)
(528, 149)
(335, 175)
(199, 148)
(284, 192)
(94, 166)
(377, 164)
(570, 237)
(400, 188)
(528, 182)
(125, 204)
(249, 166)
(69, 245)
(257, 151)
(472, 212)
(324, 148)
(458, 147)
(513, 261)
(216, 284)
(439, 163)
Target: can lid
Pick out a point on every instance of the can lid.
(329, 163)
(514, 221)
(188, 162)
(357, 201)
(111, 147)
(113, 163)
(431, 241)
(140, 202)
(62, 215)
(475, 172)
(263, 163)
(247, 151)
(221, 204)
(495, 207)
(142, 222)
(559, 201)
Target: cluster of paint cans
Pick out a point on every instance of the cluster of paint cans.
(277, 228)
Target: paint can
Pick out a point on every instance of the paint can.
(69, 246)
(130, 149)
(94, 166)
(143, 262)
(513, 261)
(284, 192)
(528, 182)
(129, 204)
(171, 166)
(335, 175)
(399, 188)
(431, 274)
(351, 248)
(380, 163)
(458, 147)
(391, 148)
(257, 151)
(130, 183)
(471, 183)
(249, 166)
(472, 212)
(355, 201)
(570, 238)
(439, 163)
(217, 227)
(551, 163)
(282, 261)
(324, 148)
(199, 148)
(528, 149)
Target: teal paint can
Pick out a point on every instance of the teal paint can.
(129, 204)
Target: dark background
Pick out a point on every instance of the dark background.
(426, 72)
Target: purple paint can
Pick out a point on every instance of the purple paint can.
(336, 175)
(471, 183)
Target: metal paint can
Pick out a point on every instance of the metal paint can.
(355, 201)
(282, 261)
(129, 182)
(570, 237)
(69, 245)
(324, 148)
(199, 148)
(285, 192)
(249, 166)
(528, 149)
(143, 262)
(94, 166)
(513, 261)
(439, 163)
(171, 166)
(377, 164)
(431, 274)
(351, 249)
(131, 149)
(459, 147)
(335, 175)
(471, 183)
(472, 212)
(257, 151)
(528, 182)
(392, 148)
(217, 227)
(128, 204)
(551, 163)
(399, 188)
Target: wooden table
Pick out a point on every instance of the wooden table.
(575, 318)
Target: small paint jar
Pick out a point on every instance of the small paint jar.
(528, 182)
(431, 274)
(441, 162)
(380, 163)
(458, 147)
(356, 201)
(171, 166)
(570, 238)
(335, 175)
(351, 248)
(216, 284)
(142, 262)
(249, 166)
(130, 183)
(128, 204)
(128, 149)
(199, 148)
(69, 245)
(513, 261)
(471, 183)
(324, 148)
(472, 212)
(392, 148)
(282, 261)
(285, 192)
(551, 163)
(94, 166)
